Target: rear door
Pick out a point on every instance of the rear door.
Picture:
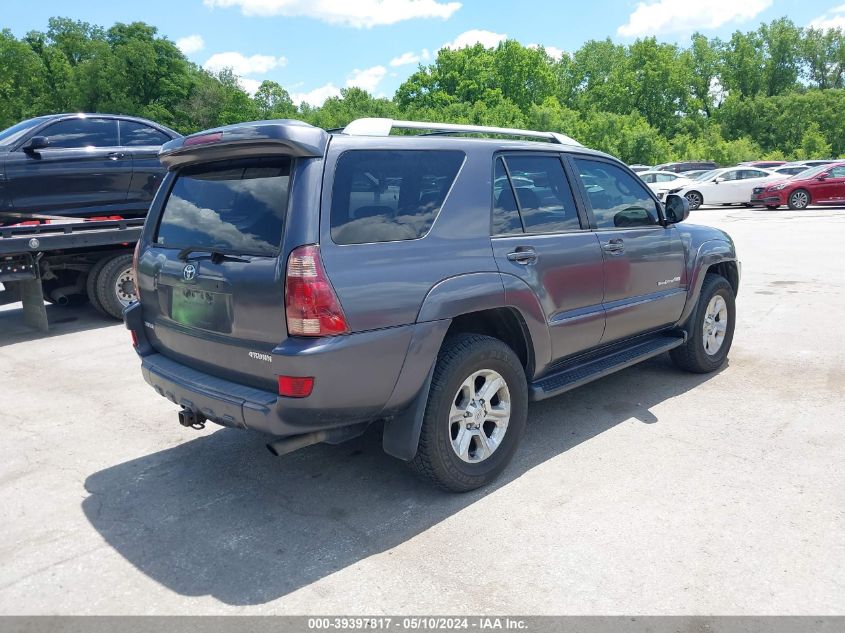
(82, 172)
(644, 262)
(539, 235)
(222, 313)
(142, 143)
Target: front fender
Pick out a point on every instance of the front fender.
(709, 253)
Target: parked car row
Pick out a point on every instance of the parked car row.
(756, 183)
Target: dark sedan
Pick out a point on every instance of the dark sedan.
(79, 165)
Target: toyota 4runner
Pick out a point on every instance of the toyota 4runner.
(305, 284)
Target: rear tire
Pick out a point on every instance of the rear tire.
(91, 285)
(799, 200)
(114, 286)
(710, 329)
(467, 439)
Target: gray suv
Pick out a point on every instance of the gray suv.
(306, 284)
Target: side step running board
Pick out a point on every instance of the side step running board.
(586, 371)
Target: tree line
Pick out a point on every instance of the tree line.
(777, 92)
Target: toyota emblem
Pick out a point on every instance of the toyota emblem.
(189, 272)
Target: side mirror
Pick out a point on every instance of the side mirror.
(36, 143)
(718, 180)
(676, 208)
(824, 176)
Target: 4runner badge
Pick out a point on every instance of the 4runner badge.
(189, 272)
(259, 356)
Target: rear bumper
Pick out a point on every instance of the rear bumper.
(358, 377)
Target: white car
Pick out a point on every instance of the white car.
(662, 181)
(730, 185)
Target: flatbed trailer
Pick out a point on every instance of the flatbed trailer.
(68, 262)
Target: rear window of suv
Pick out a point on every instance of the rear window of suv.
(233, 205)
(385, 195)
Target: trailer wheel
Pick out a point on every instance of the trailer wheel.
(116, 285)
(91, 285)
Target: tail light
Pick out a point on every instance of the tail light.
(311, 305)
(135, 257)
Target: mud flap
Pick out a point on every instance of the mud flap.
(402, 432)
(28, 292)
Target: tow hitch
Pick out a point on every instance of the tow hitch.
(191, 419)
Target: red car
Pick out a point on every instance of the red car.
(824, 184)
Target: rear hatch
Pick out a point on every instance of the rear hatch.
(211, 272)
(212, 257)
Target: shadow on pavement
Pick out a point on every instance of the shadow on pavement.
(62, 320)
(220, 516)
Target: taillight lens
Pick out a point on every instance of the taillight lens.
(311, 305)
(135, 257)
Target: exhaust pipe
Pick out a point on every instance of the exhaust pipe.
(295, 442)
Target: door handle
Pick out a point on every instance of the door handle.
(115, 155)
(614, 247)
(523, 255)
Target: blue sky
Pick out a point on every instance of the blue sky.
(315, 47)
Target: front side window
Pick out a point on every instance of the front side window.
(666, 177)
(236, 206)
(386, 195)
(77, 133)
(134, 134)
(731, 174)
(616, 198)
(837, 172)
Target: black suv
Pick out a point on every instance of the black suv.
(79, 165)
(306, 284)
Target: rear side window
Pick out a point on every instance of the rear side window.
(384, 195)
(543, 197)
(235, 206)
(134, 134)
(75, 133)
(617, 198)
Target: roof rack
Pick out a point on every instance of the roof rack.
(383, 127)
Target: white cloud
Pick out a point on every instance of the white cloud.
(250, 85)
(355, 13)
(833, 19)
(553, 51)
(677, 16)
(243, 65)
(476, 36)
(317, 96)
(410, 58)
(368, 79)
(190, 44)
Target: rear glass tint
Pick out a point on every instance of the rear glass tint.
(235, 206)
(384, 196)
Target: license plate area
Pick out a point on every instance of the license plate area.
(198, 308)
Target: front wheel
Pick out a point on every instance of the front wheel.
(695, 200)
(475, 415)
(711, 328)
(799, 200)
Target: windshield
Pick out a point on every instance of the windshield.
(707, 175)
(809, 173)
(12, 134)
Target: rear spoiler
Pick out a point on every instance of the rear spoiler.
(283, 136)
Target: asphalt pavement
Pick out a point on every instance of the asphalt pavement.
(651, 491)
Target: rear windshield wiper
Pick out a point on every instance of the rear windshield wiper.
(217, 254)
